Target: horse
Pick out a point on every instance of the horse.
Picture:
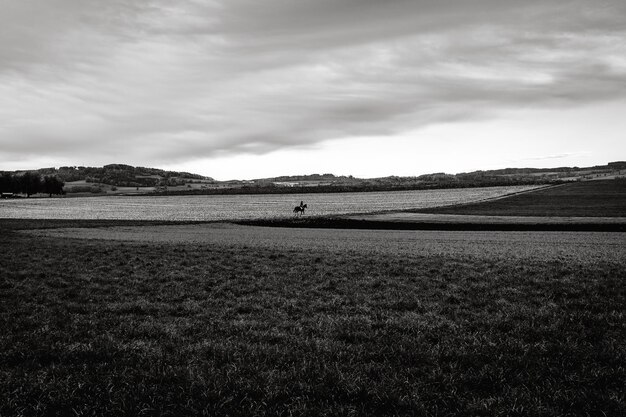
(299, 209)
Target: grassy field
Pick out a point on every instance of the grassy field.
(602, 198)
(241, 328)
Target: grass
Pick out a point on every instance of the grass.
(601, 198)
(366, 222)
(126, 329)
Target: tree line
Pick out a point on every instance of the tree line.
(30, 183)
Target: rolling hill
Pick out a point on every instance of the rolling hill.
(120, 178)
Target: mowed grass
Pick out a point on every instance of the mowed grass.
(126, 329)
(601, 198)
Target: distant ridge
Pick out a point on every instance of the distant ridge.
(120, 175)
(618, 165)
(611, 166)
(118, 178)
(310, 177)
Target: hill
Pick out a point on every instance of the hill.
(507, 176)
(122, 175)
(126, 179)
(109, 179)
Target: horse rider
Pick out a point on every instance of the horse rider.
(300, 208)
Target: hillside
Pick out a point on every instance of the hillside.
(122, 175)
(126, 179)
(508, 176)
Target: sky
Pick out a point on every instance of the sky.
(243, 89)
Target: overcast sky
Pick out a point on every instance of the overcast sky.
(258, 88)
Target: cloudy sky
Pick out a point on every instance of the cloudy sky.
(258, 88)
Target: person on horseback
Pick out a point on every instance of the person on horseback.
(299, 209)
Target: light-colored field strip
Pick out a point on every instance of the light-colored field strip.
(582, 247)
(240, 207)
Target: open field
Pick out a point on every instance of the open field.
(404, 220)
(601, 198)
(584, 206)
(558, 246)
(238, 207)
(489, 220)
(217, 319)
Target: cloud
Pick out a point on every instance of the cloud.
(168, 82)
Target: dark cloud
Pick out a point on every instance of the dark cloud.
(173, 81)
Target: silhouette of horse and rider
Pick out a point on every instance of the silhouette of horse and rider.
(299, 209)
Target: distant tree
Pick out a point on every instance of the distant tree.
(7, 183)
(30, 183)
(52, 185)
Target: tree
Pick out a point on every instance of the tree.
(52, 185)
(30, 183)
(7, 183)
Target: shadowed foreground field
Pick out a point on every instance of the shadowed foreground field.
(243, 327)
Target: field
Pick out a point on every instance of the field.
(237, 207)
(127, 319)
(588, 198)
